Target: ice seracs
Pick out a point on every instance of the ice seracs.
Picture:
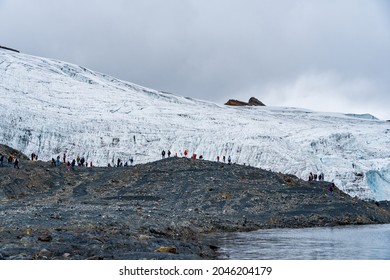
(50, 107)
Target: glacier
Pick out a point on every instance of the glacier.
(50, 107)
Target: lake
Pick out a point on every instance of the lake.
(368, 242)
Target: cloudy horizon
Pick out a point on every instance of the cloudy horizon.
(331, 56)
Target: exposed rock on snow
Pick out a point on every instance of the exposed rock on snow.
(252, 102)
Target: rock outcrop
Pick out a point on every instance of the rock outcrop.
(8, 49)
(253, 101)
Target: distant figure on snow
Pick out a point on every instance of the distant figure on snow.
(169, 153)
(223, 159)
(217, 158)
(229, 160)
(163, 154)
(310, 177)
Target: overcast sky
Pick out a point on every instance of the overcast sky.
(325, 55)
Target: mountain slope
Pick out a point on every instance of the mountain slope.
(51, 107)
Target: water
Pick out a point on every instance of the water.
(337, 243)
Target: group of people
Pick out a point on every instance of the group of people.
(195, 156)
(168, 153)
(11, 160)
(70, 164)
(315, 177)
(224, 159)
(320, 177)
(119, 163)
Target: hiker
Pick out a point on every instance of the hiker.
(169, 153)
(331, 188)
(131, 161)
(68, 166)
(163, 154)
(58, 161)
(118, 162)
(217, 158)
(78, 160)
(10, 160)
(82, 160)
(322, 176)
(53, 162)
(32, 157)
(90, 164)
(64, 158)
(310, 177)
(223, 159)
(229, 160)
(73, 164)
(315, 177)
(185, 153)
(1, 160)
(16, 163)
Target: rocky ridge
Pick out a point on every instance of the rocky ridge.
(158, 210)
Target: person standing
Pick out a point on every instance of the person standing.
(16, 163)
(331, 189)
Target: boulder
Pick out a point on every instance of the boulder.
(253, 101)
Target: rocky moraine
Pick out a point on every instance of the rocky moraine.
(160, 210)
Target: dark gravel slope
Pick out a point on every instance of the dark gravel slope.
(158, 210)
